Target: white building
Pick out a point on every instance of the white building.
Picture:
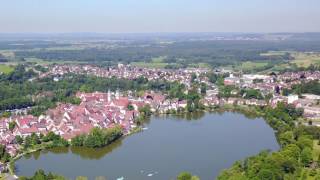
(292, 98)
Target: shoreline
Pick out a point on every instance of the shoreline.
(242, 109)
(11, 164)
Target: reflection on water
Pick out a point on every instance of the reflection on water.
(89, 153)
(83, 152)
(98, 153)
(185, 116)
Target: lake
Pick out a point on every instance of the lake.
(203, 144)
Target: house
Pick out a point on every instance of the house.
(231, 81)
(311, 112)
(311, 96)
(182, 104)
(277, 99)
(292, 98)
(24, 132)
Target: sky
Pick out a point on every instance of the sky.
(146, 16)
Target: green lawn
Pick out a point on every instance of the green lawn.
(6, 68)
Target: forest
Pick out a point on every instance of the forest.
(182, 50)
(211, 52)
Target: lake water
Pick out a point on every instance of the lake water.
(203, 144)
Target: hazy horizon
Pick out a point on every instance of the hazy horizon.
(159, 16)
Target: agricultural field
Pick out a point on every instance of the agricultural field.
(44, 62)
(149, 64)
(155, 63)
(275, 53)
(249, 66)
(302, 59)
(7, 53)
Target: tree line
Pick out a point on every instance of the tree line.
(292, 161)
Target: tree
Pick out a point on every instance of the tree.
(306, 156)
(184, 176)
(6, 114)
(203, 88)
(51, 136)
(97, 137)
(225, 91)
(81, 178)
(286, 138)
(193, 77)
(130, 107)
(35, 139)
(19, 139)
(41, 175)
(100, 178)
(27, 142)
(145, 110)
(291, 151)
(78, 140)
(12, 125)
(251, 94)
(4, 155)
(304, 141)
(265, 174)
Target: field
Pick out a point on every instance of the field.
(43, 62)
(249, 66)
(155, 63)
(274, 53)
(7, 53)
(305, 59)
(149, 65)
(6, 68)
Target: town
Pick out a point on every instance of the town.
(105, 110)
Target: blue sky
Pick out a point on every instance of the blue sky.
(131, 16)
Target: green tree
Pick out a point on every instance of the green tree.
(35, 139)
(184, 176)
(19, 139)
(193, 77)
(78, 140)
(286, 138)
(81, 178)
(12, 125)
(27, 142)
(6, 114)
(203, 88)
(306, 156)
(130, 107)
(265, 174)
